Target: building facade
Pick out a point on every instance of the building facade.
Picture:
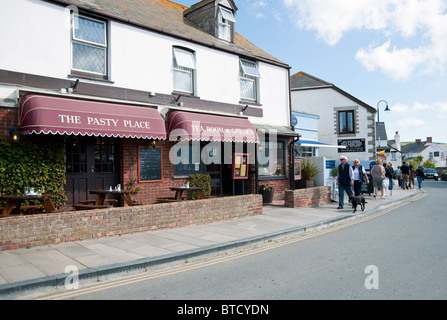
(344, 120)
(149, 94)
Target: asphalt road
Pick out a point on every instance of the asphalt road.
(399, 255)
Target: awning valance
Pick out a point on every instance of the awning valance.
(312, 143)
(182, 125)
(59, 115)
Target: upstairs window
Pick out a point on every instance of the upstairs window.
(184, 70)
(225, 23)
(89, 45)
(249, 78)
(346, 122)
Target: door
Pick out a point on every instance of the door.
(90, 163)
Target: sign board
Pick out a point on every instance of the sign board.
(240, 166)
(150, 164)
(352, 145)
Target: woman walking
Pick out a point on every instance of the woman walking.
(378, 174)
(360, 177)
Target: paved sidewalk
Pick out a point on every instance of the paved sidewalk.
(23, 271)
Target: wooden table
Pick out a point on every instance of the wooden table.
(15, 201)
(179, 194)
(101, 196)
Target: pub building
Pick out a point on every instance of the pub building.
(150, 94)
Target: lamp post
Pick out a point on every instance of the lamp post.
(386, 109)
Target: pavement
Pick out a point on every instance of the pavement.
(44, 268)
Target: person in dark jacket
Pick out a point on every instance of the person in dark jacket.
(405, 170)
(345, 180)
(420, 175)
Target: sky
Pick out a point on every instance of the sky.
(391, 50)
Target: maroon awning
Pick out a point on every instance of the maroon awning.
(59, 115)
(183, 125)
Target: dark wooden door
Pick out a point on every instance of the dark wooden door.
(91, 163)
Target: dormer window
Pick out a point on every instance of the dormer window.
(226, 21)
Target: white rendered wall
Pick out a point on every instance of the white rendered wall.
(35, 37)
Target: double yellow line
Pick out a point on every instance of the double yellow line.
(237, 255)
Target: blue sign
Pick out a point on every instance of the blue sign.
(330, 164)
(294, 121)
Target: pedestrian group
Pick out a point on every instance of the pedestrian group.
(351, 178)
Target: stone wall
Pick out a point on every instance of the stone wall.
(308, 197)
(43, 229)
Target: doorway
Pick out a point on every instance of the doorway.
(90, 163)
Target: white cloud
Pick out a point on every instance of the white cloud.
(410, 123)
(408, 21)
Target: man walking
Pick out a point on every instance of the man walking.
(405, 171)
(345, 180)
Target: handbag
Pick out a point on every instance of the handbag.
(385, 183)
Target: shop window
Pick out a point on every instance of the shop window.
(272, 159)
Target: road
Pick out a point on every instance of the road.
(398, 255)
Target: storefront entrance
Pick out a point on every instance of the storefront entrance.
(90, 163)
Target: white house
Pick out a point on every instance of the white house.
(344, 120)
(149, 67)
(427, 149)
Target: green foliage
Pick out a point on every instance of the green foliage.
(429, 165)
(39, 166)
(265, 187)
(334, 172)
(200, 181)
(308, 170)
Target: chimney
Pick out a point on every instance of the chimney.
(418, 140)
(429, 140)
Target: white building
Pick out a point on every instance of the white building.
(154, 55)
(344, 120)
(427, 149)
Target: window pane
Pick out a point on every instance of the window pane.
(89, 58)
(89, 30)
(279, 166)
(350, 122)
(227, 14)
(342, 121)
(183, 81)
(224, 31)
(250, 68)
(184, 59)
(248, 89)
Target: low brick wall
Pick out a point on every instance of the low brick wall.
(43, 229)
(308, 197)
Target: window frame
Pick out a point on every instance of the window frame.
(245, 76)
(102, 46)
(179, 69)
(347, 122)
(266, 145)
(226, 24)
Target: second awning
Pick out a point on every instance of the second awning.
(183, 125)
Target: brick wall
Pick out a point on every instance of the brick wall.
(43, 229)
(308, 198)
(8, 118)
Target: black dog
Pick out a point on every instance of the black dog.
(357, 200)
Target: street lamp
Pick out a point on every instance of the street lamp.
(386, 109)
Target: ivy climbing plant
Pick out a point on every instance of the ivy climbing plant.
(39, 165)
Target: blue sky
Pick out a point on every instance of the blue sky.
(392, 50)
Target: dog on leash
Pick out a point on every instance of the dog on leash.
(356, 201)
